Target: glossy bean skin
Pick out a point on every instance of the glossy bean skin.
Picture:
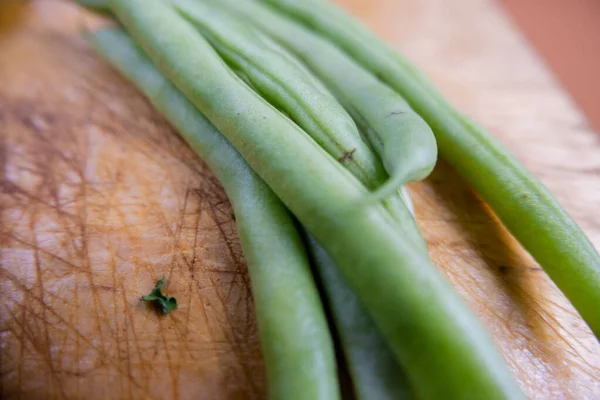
(404, 141)
(286, 300)
(427, 326)
(522, 203)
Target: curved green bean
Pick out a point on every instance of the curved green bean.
(423, 320)
(288, 88)
(522, 203)
(286, 299)
(272, 71)
(401, 137)
(375, 373)
(400, 206)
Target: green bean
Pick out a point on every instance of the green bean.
(374, 371)
(286, 299)
(423, 320)
(522, 203)
(400, 207)
(279, 81)
(404, 141)
(271, 70)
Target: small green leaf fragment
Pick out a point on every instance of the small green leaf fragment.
(166, 304)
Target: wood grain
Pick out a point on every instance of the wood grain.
(100, 198)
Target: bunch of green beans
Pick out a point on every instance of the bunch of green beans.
(521, 202)
(281, 80)
(328, 126)
(285, 297)
(422, 319)
(375, 373)
(404, 141)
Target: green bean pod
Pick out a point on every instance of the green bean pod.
(404, 141)
(375, 372)
(285, 82)
(286, 299)
(400, 207)
(522, 203)
(425, 323)
(288, 88)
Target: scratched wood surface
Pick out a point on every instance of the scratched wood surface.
(100, 198)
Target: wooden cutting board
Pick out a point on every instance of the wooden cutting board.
(100, 198)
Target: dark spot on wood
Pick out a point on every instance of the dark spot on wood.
(7, 187)
(106, 288)
(348, 155)
(504, 269)
(48, 117)
(28, 122)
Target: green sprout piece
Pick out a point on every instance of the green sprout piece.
(166, 304)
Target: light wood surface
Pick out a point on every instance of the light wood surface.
(100, 198)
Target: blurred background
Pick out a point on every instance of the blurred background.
(566, 33)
